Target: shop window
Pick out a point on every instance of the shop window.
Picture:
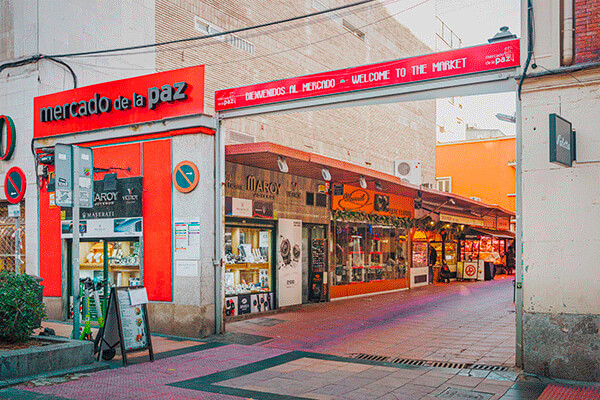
(310, 199)
(365, 253)
(123, 264)
(7, 238)
(248, 260)
(321, 200)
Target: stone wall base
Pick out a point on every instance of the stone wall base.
(565, 346)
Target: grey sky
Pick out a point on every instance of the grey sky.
(474, 21)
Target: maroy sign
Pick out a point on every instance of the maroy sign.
(125, 102)
(489, 57)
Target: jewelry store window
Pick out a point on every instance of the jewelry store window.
(248, 277)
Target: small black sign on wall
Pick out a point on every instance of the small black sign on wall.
(562, 141)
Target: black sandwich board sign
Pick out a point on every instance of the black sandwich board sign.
(127, 322)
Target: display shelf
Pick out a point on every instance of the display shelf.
(248, 266)
(96, 265)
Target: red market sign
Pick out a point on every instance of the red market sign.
(118, 103)
(7, 124)
(14, 185)
(489, 57)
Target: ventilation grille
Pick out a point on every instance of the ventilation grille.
(426, 363)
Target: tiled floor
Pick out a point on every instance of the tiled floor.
(463, 322)
(302, 354)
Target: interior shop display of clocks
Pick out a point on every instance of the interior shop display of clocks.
(247, 260)
(123, 262)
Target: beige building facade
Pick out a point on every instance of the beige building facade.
(371, 136)
(560, 204)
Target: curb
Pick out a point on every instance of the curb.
(95, 367)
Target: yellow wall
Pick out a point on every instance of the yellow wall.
(480, 168)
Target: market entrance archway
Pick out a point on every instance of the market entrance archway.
(490, 68)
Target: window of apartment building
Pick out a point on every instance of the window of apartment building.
(444, 184)
(354, 30)
(240, 137)
(207, 28)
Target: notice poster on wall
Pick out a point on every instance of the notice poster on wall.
(187, 239)
(289, 262)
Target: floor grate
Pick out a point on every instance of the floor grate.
(428, 363)
(369, 357)
(487, 367)
(425, 363)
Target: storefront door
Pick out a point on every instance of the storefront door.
(314, 262)
(108, 262)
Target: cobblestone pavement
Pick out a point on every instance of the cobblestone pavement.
(460, 322)
(309, 354)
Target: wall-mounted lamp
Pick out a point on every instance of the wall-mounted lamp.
(451, 201)
(363, 182)
(282, 164)
(326, 174)
(378, 185)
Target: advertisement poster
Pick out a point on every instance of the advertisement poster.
(116, 212)
(289, 262)
(132, 321)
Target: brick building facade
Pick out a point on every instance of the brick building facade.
(587, 29)
(372, 136)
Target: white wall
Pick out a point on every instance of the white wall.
(561, 206)
(65, 26)
(199, 203)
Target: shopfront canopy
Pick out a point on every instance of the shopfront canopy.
(265, 155)
(491, 232)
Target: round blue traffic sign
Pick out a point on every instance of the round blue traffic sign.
(14, 185)
(185, 176)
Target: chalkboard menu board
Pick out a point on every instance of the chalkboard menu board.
(127, 322)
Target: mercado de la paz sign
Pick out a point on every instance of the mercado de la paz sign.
(125, 102)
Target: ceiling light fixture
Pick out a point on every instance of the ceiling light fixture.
(282, 164)
(363, 182)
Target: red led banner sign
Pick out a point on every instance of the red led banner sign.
(125, 102)
(489, 57)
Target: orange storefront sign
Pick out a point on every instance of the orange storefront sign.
(350, 198)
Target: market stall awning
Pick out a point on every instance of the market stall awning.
(491, 232)
(301, 163)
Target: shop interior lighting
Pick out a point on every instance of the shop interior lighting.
(282, 164)
(326, 174)
(378, 185)
(363, 182)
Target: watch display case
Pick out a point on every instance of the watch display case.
(248, 260)
(123, 262)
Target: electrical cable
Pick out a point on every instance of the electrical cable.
(529, 46)
(319, 41)
(369, 6)
(212, 35)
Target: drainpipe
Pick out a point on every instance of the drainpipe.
(567, 34)
(219, 160)
(518, 294)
